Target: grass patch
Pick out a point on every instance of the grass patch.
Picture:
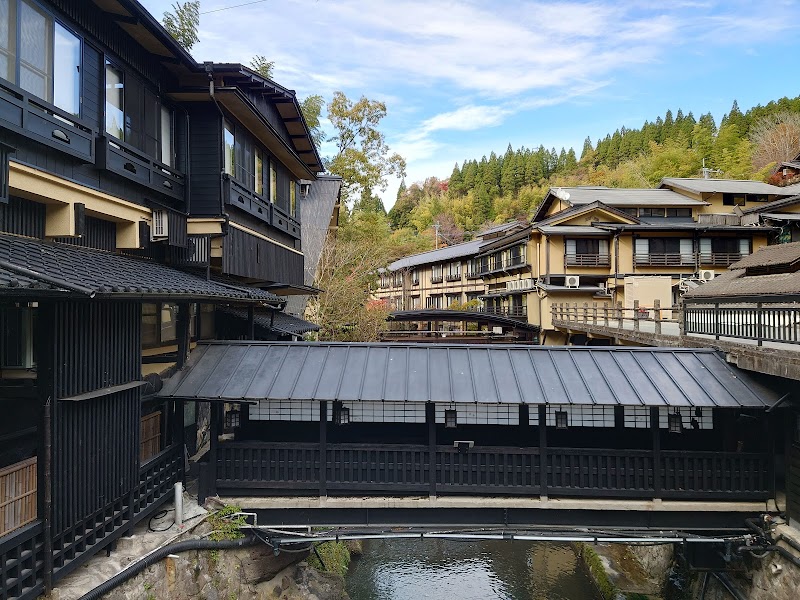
(335, 558)
(597, 571)
(225, 527)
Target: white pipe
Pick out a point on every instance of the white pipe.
(179, 504)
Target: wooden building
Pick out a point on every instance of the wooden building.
(141, 194)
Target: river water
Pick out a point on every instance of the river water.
(475, 570)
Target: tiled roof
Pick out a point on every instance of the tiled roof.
(11, 282)
(445, 373)
(276, 321)
(780, 203)
(734, 284)
(624, 197)
(724, 186)
(442, 254)
(90, 272)
(252, 292)
(779, 254)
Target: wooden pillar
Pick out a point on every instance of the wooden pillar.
(547, 259)
(214, 431)
(543, 451)
(654, 426)
(183, 332)
(657, 315)
(251, 323)
(430, 419)
(179, 433)
(323, 448)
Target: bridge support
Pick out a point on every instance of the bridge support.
(430, 419)
(323, 449)
(543, 451)
(654, 426)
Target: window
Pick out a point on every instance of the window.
(115, 102)
(734, 199)
(206, 321)
(679, 212)
(292, 198)
(150, 336)
(259, 172)
(414, 277)
(434, 301)
(343, 416)
(67, 71)
(562, 419)
(169, 313)
(675, 423)
(167, 149)
(651, 212)
(450, 419)
(436, 274)
(8, 44)
(35, 51)
(17, 350)
(159, 323)
(229, 148)
(273, 182)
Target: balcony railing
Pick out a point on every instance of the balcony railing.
(587, 260)
(503, 311)
(670, 259)
(473, 274)
(720, 258)
(759, 322)
(437, 278)
(494, 266)
(246, 199)
(453, 277)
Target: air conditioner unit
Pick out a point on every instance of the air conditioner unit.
(706, 275)
(572, 281)
(159, 230)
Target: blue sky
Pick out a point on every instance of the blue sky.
(463, 78)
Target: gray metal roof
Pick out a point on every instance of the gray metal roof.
(465, 373)
(442, 254)
(724, 186)
(573, 230)
(782, 216)
(446, 314)
(625, 197)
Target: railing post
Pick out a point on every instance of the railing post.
(323, 448)
(760, 322)
(542, 451)
(605, 313)
(654, 426)
(594, 313)
(575, 311)
(619, 315)
(585, 312)
(716, 320)
(681, 318)
(636, 315)
(657, 315)
(430, 418)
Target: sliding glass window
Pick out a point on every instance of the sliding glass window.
(35, 51)
(167, 148)
(259, 171)
(115, 101)
(8, 39)
(67, 71)
(229, 142)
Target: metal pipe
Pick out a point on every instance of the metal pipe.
(47, 279)
(179, 504)
(728, 584)
(48, 497)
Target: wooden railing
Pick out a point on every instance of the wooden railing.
(668, 259)
(587, 260)
(776, 322)
(274, 468)
(18, 499)
(719, 258)
(655, 319)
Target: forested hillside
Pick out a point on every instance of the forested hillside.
(744, 145)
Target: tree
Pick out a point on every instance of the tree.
(183, 23)
(262, 66)
(311, 108)
(775, 138)
(363, 159)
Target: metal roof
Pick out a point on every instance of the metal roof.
(626, 197)
(275, 321)
(782, 216)
(573, 230)
(465, 374)
(446, 314)
(90, 272)
(724, 186)
(442, 254)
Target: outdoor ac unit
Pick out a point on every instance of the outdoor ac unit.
(706, 275)
(159, 230)
(572, 281)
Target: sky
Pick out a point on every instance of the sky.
(463, 78)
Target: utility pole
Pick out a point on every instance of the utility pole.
(436, 227)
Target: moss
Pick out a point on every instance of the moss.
(335, 558)
(226, 527)
(597, 572)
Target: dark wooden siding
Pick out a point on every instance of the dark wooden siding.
(93, 85)
(23, 217)
(248, 256)
(99, 234)
(270, 112)
(793, 472)
(205, 141)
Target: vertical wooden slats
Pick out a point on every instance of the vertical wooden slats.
(18, 487)
(150, 435)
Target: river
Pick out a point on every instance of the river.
(476, 570)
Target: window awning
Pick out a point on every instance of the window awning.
(35, 268)
(466, 373)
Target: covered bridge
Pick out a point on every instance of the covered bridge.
(400, 419)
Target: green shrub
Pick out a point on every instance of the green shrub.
(335, 557)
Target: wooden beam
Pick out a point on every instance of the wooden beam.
(542, 408)
(430, 419)
(323, 448)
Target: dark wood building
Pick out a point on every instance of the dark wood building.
(140, 194)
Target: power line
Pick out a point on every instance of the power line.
(230, 7)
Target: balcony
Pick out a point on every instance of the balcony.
(723, 259)
(247, 200)
(29, 116)
(516, 312)
(133, 164)
(494, 266)
(437, 278)
(587, 260)
(671, 259)
(453, 277)
(473, 274)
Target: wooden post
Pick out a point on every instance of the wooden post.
(543, 451)
(430, 419)
(636, 315)
(657, 315)
(619, 315)
(680, 316)
(213, 426)
(594, 313)
(654, 426)
(46, 384)
(759, 322)
(575, 310)
(323, 448)
(585, 312)
(716, 322)
(183, 334)
(605, 313)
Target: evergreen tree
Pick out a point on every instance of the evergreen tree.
(588, 150)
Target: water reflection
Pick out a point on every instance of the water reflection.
(509, 570)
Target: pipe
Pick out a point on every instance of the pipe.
(179, 504)
(47, 279)
(163, 552)
(728, 584)
(48, 495)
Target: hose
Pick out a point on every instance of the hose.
(161, 553)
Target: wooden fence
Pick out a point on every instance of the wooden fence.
(18, 500)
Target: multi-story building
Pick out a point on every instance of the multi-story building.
(589, 245)
(142, 195)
